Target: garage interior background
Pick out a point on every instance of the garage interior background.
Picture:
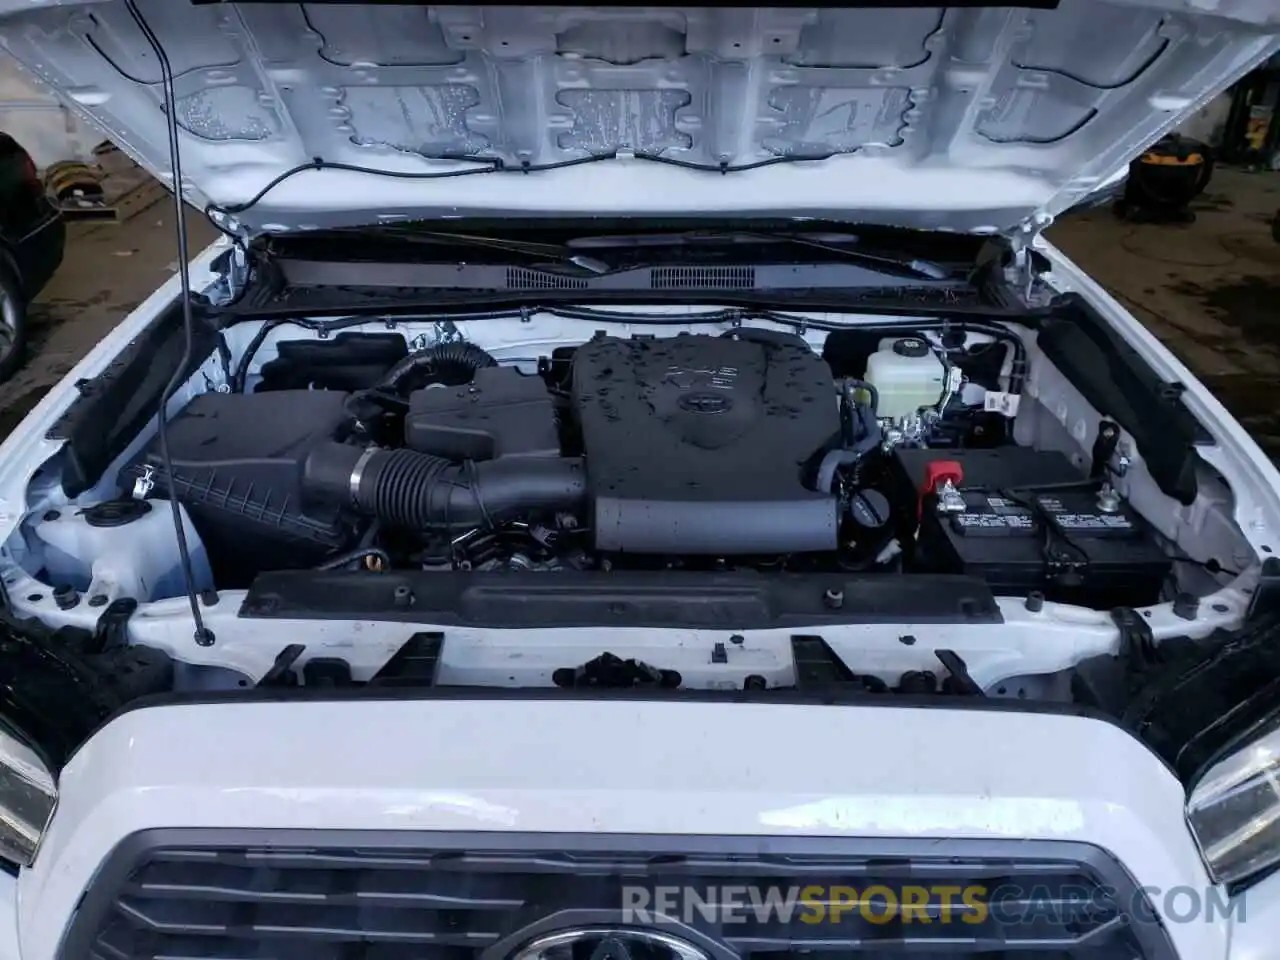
(1210, 289)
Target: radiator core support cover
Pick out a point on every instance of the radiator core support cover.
(701, 445)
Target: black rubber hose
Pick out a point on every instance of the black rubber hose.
(870, 438)
(417, 491)
(356, 555)
(868, 409)
(452, 363)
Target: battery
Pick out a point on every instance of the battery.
(1052, 536)
(987, 468)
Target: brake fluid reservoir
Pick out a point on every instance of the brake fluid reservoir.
(907, 374)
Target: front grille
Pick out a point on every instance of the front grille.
(236, 901)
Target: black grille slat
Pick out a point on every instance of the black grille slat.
(315, 921)
(1033, 932)
(884, 942)
(310, 859)
(1024, 872)
(281, 901)
(232, 883)
(204, 948)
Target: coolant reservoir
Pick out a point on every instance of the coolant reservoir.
(907, 374)
(121, 548)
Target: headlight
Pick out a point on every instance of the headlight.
(1234, 811)
(28, 795)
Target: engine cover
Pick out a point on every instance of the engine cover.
(699, 445)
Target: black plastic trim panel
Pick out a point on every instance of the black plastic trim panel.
(697, 276)
(617, 599)
(1208, 700)
(564, 880)
(1122, 386)
(114, 406)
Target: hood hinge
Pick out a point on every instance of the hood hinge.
(232, 275)
(1020, 271)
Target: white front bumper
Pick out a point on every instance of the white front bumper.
(558, 766)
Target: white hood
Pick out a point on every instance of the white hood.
(959, 118)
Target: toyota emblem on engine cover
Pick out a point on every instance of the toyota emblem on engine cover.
(705, 402)
(609, 943)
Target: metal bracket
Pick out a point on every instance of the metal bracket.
(143, 486)
(228, 224)
(237, 275)
(1021, 270)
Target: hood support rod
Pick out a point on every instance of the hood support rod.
(203, 636)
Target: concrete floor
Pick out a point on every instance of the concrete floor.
(107, 270)
(1210, 290)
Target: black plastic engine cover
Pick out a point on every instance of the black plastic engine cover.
(700, 445)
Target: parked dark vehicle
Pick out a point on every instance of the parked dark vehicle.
(32, 237)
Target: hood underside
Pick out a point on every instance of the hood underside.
(961, 118)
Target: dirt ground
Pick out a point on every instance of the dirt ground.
(1210, 290)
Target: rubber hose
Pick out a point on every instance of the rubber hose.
(453, 363)
(421, 492)
(850, 454)
(842, 457)
(353, 556)
(871, 406)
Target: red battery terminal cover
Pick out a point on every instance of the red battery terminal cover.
(936, 474)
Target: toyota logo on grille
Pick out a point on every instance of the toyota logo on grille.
(609, 943)
(705, 402)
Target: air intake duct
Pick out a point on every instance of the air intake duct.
(421, 492)
(451, 363)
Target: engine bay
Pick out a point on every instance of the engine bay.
(889, 451)
(742, 502)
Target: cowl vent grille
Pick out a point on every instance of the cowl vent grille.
(703, 278)
(521, 278)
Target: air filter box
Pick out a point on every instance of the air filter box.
(237, 464)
